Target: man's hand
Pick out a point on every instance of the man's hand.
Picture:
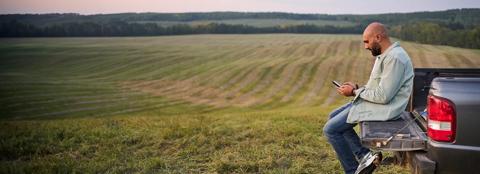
(346, 90)
(355, 86)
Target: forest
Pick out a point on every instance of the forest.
(457, 27)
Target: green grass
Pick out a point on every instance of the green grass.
(237, 141)
(181, 104)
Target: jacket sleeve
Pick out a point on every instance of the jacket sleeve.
(390, 82)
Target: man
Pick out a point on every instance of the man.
(384, 97)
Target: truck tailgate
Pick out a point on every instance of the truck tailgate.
(407, 135)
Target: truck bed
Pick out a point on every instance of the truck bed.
(407, 135)
(414, 137)
(412, 145)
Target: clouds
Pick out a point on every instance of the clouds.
(296, 6)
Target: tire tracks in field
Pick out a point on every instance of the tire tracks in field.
(352, 72)
(276, 75)
(130, 64)
(466, 61)
(183, 87)
(268, 84)
(340, 73)
(211, 62)
(246, 98)
(307, 73)
(420, 56)
(289, 56)
(298, 82)
(293, 86)
(274, 93)
(188, 90)
(458, 60)
(232, 95)
(213, 74)
(320, 76)
(285, 89)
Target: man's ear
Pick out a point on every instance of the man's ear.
(378, 38)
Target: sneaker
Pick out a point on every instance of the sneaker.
(369, 163)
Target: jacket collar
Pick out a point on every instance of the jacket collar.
(381, 56)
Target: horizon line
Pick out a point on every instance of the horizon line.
(226, 11)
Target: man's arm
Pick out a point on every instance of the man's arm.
(391, 81)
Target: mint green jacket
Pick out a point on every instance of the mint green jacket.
(386, 94)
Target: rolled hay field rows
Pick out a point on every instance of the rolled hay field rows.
(182, 104)
(176, 74)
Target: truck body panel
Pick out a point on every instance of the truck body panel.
(462, 88)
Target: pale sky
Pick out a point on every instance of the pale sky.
(294, 6)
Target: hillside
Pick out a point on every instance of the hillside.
(107, 76)
(182, 104)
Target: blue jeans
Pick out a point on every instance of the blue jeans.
(343, 138)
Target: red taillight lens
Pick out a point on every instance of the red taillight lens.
(441, 119)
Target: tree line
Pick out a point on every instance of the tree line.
(76, 29)
(439, 34)
(459, 27)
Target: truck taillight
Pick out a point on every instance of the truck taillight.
(441, 119)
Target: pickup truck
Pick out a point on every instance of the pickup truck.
(439, 132)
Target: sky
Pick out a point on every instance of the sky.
(293, 6)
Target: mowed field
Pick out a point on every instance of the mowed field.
(182, 104)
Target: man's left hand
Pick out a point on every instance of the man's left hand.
(346, 90)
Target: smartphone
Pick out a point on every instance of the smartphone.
(336, 83)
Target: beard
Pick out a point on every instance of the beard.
(376, 49)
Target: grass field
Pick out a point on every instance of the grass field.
(182, 104)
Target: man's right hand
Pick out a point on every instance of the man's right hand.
(353, 85)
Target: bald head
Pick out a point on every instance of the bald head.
(375, 38)
(375, 29)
